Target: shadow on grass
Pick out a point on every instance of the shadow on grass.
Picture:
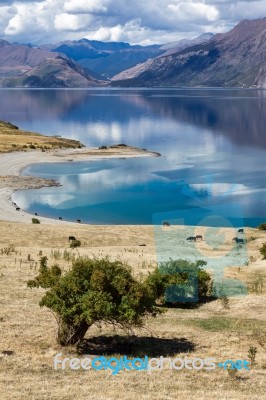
(135, 346)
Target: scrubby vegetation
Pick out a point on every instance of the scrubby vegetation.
(35, 221)
(94, 290)
(100, 290)
(262, 226)
(75, 243)
(263, 251)
(14, 139)
(181, 281)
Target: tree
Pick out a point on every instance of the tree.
(93, 290)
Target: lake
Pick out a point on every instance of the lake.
(212, 141)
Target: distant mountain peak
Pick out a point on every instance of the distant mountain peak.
(235, 58)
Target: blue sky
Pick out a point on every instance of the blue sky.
(134, 21)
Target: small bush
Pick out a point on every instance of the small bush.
(263, 251)
(225, 302)
(181, 281)
(252, 351)
(262, 226)
(8, 250)
(31, 146)
(75, 243)
(35, 221)
(56, 254)
(102, 147)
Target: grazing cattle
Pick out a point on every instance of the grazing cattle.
(36, 214)
(165, 223)
(237, 240)
(60, 218)
(240, 230)
(71, 238)
(17, 209)
(192, 238)
(199, 237)
(79, 221)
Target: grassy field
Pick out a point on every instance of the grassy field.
(27, 332)
(14, 139)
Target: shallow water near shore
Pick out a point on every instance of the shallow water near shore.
(213, 147)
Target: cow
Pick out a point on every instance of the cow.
(192, 238)
(60, 218)
(165, 223)
(79, 221)
(36, 214)
(199, 237)
(71, 238)
(17, 209)
(240, 230)
(237, 240)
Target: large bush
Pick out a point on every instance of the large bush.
(93, 291)
(100, 290)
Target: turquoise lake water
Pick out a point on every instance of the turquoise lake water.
(213, 146)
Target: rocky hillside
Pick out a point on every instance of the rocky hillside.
(236, 58)
(24, 66)
(54, 72)
(169, 48)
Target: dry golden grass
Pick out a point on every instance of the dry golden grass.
(14, 139)
(208, 331)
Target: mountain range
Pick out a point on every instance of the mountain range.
(105, 59)
(232, 59)
(236, 58)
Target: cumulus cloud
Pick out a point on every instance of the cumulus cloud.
(85, 6)
(138, 21)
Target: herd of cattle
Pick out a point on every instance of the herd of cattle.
(165, 224)
(60, 218)
(200, 237)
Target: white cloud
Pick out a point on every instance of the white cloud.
(85, 6)
(187, 11)
(138, 21)
(70, 22)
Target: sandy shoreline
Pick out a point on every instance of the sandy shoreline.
(12, 164)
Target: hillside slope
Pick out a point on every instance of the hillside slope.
(236, 58)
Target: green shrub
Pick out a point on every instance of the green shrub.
(262, 226)
(263, 251)
(181, 281)
(75, 243)
(35, 221)
(252, 351)
(93, 291)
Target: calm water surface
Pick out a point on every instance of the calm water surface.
(213, 146)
